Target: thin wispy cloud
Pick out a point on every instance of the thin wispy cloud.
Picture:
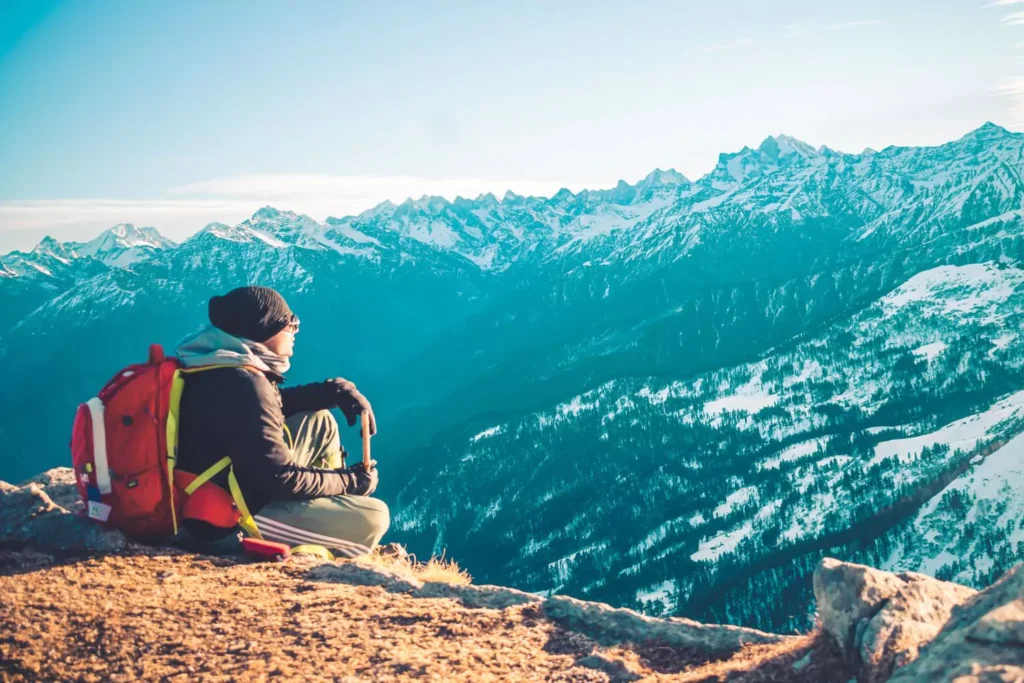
(1013, 89)
(40, 213)
(806, 28)
(722, 47)
(852, 24)
(233, 199)
(356, 193)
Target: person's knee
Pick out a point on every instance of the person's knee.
(378, 517)
(325, 427)
(324, 419)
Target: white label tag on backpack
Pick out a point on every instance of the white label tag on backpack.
(99, 511)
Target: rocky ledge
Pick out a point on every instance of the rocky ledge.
(83, 603)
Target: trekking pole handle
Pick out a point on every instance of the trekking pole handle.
(366, 439)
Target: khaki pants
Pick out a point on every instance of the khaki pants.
(348, 525)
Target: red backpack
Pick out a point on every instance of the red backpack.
(123, 449)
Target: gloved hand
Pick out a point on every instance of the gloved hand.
(351, 402)
(361, 482)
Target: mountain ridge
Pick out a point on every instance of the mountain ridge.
(769, 149)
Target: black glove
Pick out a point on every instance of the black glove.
(351, 402)
(359, 480)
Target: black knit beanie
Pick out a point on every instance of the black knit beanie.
(256, 313)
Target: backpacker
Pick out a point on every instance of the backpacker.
(123, 450)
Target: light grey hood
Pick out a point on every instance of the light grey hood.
(213, 346)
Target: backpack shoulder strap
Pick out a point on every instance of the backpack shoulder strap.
(203, 368)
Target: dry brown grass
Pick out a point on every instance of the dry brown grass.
(436, 569)
(180, 617)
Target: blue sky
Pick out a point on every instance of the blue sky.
(175, 114)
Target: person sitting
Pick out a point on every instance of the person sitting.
(283, 442)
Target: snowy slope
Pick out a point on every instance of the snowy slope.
(974, 528)
(740, 463)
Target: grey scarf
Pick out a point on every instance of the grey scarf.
(213, 346)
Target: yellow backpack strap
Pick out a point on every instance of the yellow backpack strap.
(177, 385)
(247, 522)
(208, 474)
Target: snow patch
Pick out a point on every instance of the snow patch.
(489, 432)
(661, 592)
(794, 452)
(713, 548)
(931, 351)
(747, 403)
(735, 499)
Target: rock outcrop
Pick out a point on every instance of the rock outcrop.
(46, 513)
(983, 641)
(911, 627)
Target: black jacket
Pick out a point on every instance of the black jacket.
(240, 413)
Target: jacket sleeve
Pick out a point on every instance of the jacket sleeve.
(315, 396)
(250, 430)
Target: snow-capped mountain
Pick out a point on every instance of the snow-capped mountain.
(49, 259)
(29, 279)
(670, 394)
(123, 245)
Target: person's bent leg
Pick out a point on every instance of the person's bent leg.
(315, 439)
(348, 525)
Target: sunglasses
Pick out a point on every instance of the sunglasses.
(293, 327)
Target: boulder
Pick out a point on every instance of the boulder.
(882, 620)
(983, 641)
(46, 513)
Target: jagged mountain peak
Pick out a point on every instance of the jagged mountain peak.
(271, 220)
(431, 202)
(231, 233)
(51, 248)
(989, 128)
(385, 207)
(124, 230)
(269, 217)
(49, 245)
(123, 243)
(666, 178)
(130, 235)
(774, 152)
(989, 134)
(776, 146)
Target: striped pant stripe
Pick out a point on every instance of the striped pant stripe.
(273, 528)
